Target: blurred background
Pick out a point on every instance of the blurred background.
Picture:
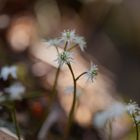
(111, 29)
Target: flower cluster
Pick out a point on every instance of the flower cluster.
(70, 38)
(134, 110)
(64, 58)
(14, 91)
(7, 71)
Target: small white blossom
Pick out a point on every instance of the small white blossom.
(114, 111)
(92, 73)
(54, 42)
(132, 108)
(64, 58)
(138, 118)
(81, 42)
(6, 71)
(15, 91)
(68, 36)
(71, 38)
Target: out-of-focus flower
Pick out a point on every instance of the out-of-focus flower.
(54, 42)
(92, 73)
(81, 42)
(132, 108)
(64, 58)
(15, 91)
(116, 110)
(138, 118)
(2, 98)
(6, 71)
(71, 38)
(70, 90)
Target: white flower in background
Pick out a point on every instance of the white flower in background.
(132, 108)
(100, 119)
(138, 118)
(70, 90)
(15, 91)
(6, 71)
(92, 73)
(2, 97)
(114, 111)
(64, 58)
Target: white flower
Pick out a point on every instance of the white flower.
(68, 36)
(138, 118)
(81, 42)
(71, 38)
(6, 71)
(114, 111)
(54, 42)
(92, 72)
(132, 108)
(64, 58)
(15, 91)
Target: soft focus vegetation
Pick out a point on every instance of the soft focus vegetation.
(28, 95)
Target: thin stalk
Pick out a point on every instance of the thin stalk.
(72, 47)
(110, 130)
(53, 94)
(52, 98)
(80, 75)
(137, 128)
(57, 49)
(65, 47)
(13, 113)
(71, 114)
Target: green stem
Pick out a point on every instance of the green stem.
(71, 114)
(53, 94)
(137, 128)
(65, 47)
(110, 130)
(72, 47)
(13, 113)
(80, 75)
(57, 49)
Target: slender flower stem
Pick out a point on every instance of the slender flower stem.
(80, 75)
(52, 98)
(53, 94)
(110, 130)
(72, 47)
(57, 49)
(137, 128)
(71, 114)
(13, 113)
(65, 47)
